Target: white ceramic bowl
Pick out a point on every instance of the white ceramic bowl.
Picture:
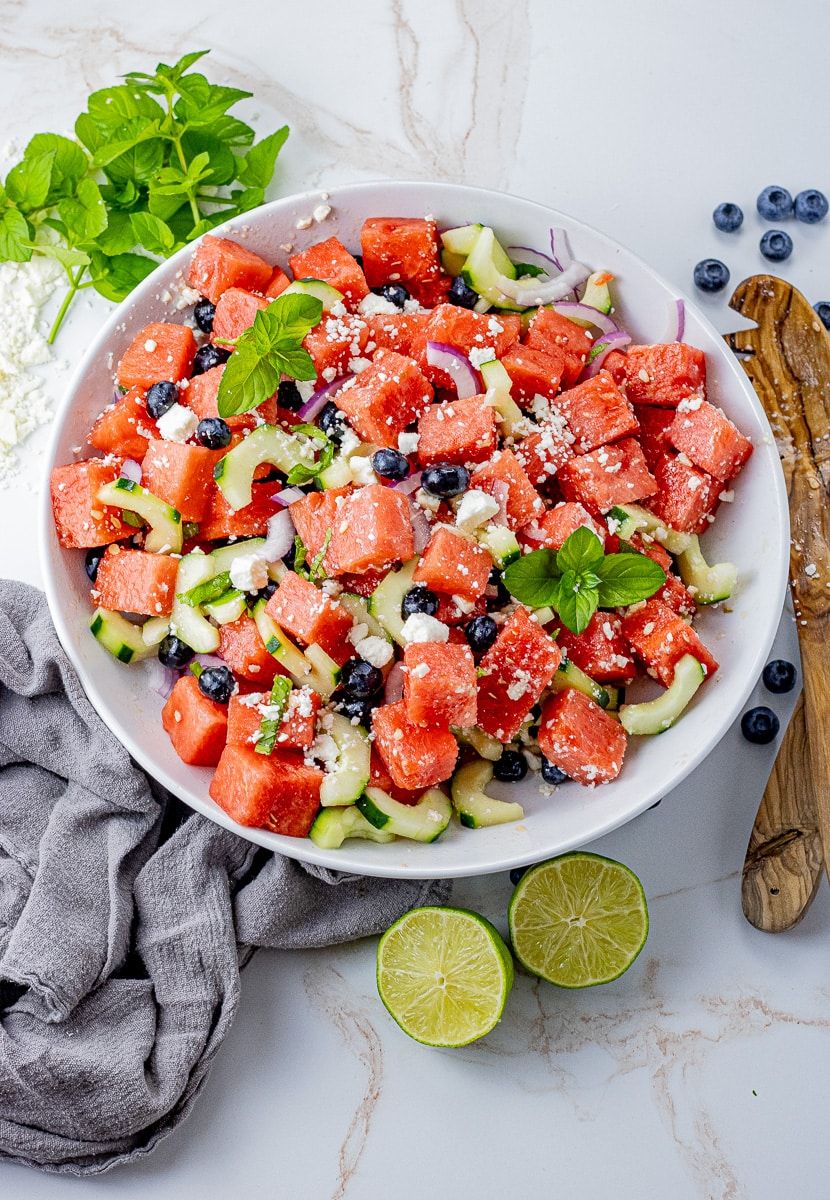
(752, 532)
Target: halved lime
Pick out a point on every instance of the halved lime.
(578, 920)
(444, 974)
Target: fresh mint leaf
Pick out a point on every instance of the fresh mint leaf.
(110, 108)
(202, 102)
(119, 236)
(247, 198)
(534, 578)
(152, 233)
(270, 724)
(69, 165)
(15, 237)
(165, 76)
(190, 233)
(116, 277)
(581, 552)
(69, 259)
(261, 159)
(577, 602)
(85, 214)
(27, 183)
(223, 162)
(627, 578)
(231, 131)
(247, 381)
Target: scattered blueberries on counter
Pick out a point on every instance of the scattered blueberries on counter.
(217, 683)
(214, 433)
(779, 676)
(711, 275)
(161, 397)
(511, 767)
(822, 309)
(728, 217)
(419, 599)
(203, 314)
(759, 725)
(390, 464)
(776, 245)
(811, 206)
(775, 203)
(209, 356)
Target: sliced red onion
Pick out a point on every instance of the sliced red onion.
(526, 254)
(130, 469)
(288, 495)
(586, 312)
(320, 398)
(501, 494)
(560, 249)
(209, 660)
(609, 342)
(161, 679)
(530, 292)
(421, 528)
(457, 365)
(393, 691)
(410, 485)
(681, 320)
(280, 537)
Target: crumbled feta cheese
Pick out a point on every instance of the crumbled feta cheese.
(375, 650)
(481, 354)
(361, 469)
(357, 633)
(420, 671)
(321, 212)
(421, 627)
(177, 424)
(475, 509)
(463, 604)
(149, 345)
(408, 442)
(324, 749)
(356, 365)
(374, 306)
(249, 572)
(306, 388)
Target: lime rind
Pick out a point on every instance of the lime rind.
(578, 920)
(444, 975)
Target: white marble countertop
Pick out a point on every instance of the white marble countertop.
(699, 1073)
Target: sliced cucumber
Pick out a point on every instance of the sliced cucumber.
(501, 542)
(421, 822)
(655, 716)
(385, 600)
(165, 533)
(318, 289)
(453, 264)
(225, 556)
(227, 608)
(624, 525)
(498, 384)
(673, 540)
(596, 294)
(711, 584)
(346, 782)
(358, 609)
(337, 474)
(483, 266)
(461, 239)
(155, 630)
(314, 668)
(474, 807)
(234, 473)
(190, 624)
(483, 743)
(333, 825)
(570, 675)
(118, 635)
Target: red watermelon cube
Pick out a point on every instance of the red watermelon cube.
(513, 674)
(439, 687)
(600, 650)
(220, 263)
(81, 520)
(416, 757)
(597, 413)
(309, 615)
(662, 374)
(462, 432)
(686, 497)
(124, 428)
(615, 474)
(581, 738)
(385, 397)
(135, 581)
(276, 792)
(331, 262)
(551, 331)
(661, 638)
(453, 565)
(505, 479)
(236, 312)
(196, 726)
(160, 352)
(709, 439)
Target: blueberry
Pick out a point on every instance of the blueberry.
(266, 592)
(779, 676)
(775, 203)
(497, 594)
(551, 773)
(332, 422)
(446, 480)
(214, 433)
(822, 308)
(290, 557)
(360, 679)
(811, 206)
(209, 356)
(516, 874)
(92, 558)
(204, 312)
(511, 767)
(395, 293)
(352, 706)
(481, 633)
(160, 398)
(288, 396)
(217, 683)
(419, 599)
(390, 464)
(175, 653)
(711, 275)
(776, 245)
(728, 217)
(462, 294)
(759, 725)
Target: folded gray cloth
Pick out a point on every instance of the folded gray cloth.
(124, 919)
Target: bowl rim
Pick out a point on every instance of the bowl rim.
(303, 849)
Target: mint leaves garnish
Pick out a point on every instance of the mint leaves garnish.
(270, 348)
(580, 578)
(158, 161)
(270, 724)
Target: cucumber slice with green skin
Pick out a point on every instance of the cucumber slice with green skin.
(484, 744)
(462, 239)
(345, 784)
(358, 610)
(656, 716)
(337, 474)
(118, 635)
(234, 473)
(474, 807)
(501, 542)
(155, 630)
(645, 522)
(332, 826)
(328, 295)
(227, 608)
(188, 624)
(570, 675)
(225, 556)
(596, 294)
(483, 266)
(385, 600)
(710, 584)
(421, 822)
(621, 522)
(453, 264)
(164, 535)
(498, 383)
(313, 668)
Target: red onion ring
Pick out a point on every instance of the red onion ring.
(410, 485)
(457, 365)
(563, 257)
(393, 690)
(288, 495)
(681, 320)
(535, 257)
(421, 529)
(130, 469)
(319, 399)
(280, 537)
(585, 312)
(531, 292)
(609, 342)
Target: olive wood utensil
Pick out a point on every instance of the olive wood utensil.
(787, 359)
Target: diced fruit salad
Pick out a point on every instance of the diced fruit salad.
(396, 520)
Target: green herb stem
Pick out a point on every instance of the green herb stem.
(75, 286)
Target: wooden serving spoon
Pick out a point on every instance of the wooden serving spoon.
(788, 363)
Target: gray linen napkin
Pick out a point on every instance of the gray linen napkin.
(124, 919)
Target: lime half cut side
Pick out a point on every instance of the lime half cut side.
(444, 974)
(578, 920)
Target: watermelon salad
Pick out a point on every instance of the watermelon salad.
(432, 541)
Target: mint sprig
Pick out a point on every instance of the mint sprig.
(270, 724)
(580, 578)
(270, 348)
(158, 161)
